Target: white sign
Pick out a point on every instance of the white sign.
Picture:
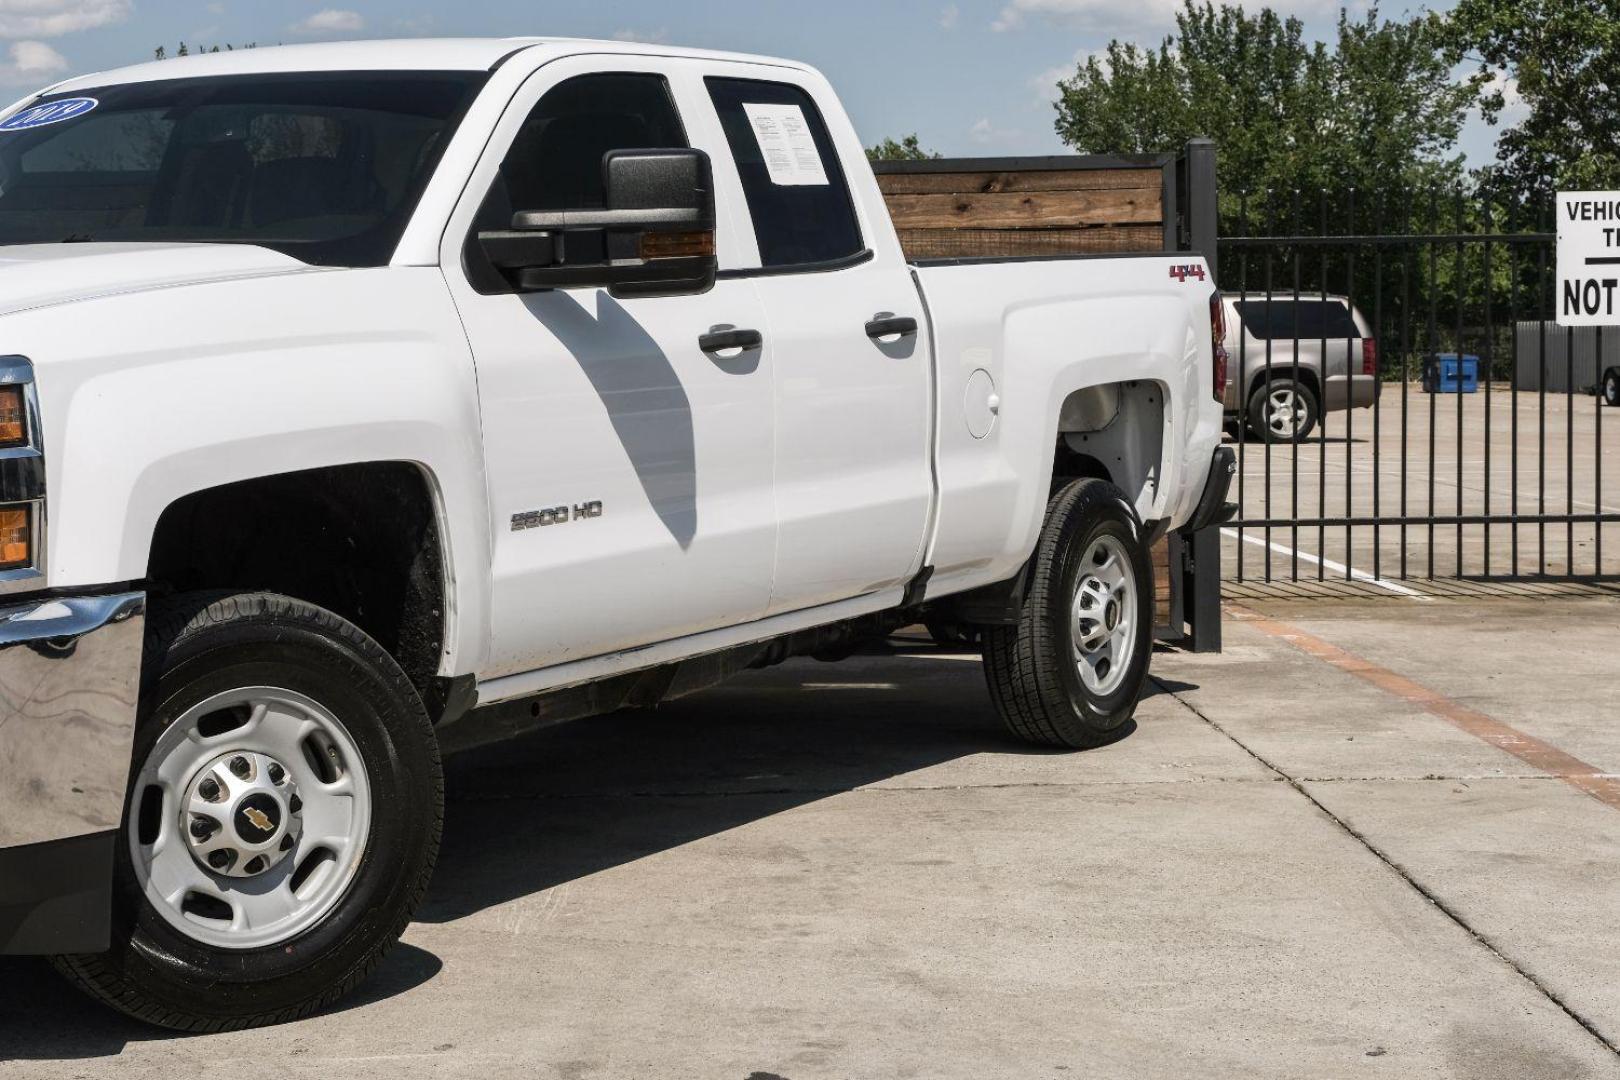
(1588, 258)
(789, 146)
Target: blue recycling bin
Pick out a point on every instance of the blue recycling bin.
(1440, 374)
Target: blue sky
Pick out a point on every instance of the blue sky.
(971, 77)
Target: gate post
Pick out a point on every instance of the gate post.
(1201, 582)
(1201, 551)
(1202, 209)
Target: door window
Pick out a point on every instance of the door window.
(790, 172)
(555, 162)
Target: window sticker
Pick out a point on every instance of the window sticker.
(789, 147)
(52, 112)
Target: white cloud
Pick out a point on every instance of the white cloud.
(646, 37)
(53, 18)
(32, 63)
(416, 24)
(986, 134)
(331, 21)
(950, 17)
(1513, 106)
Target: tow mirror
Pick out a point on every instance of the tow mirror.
(657, 229)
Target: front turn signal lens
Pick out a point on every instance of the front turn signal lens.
(16, 537)
(13, 426)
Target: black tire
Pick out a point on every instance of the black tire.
(1257, 417)
(1611, 388)
(196, 647)
(1031, 667)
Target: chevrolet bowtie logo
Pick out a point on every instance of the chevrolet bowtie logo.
(259, 818)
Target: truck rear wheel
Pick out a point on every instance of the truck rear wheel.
(282, 822)
(1069, 674)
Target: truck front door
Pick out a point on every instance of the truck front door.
(629, 470)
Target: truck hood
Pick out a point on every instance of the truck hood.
(39, 275)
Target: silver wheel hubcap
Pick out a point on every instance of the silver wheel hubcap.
(250, 818)
(1285, 412)
(1103, 617)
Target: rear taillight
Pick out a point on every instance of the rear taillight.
(1217, 333)
(1369, 356)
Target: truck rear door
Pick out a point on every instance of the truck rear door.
(849, 349)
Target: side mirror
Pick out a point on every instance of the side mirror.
(657, 229)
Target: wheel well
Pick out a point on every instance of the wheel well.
(1071, 465)
(359, 540)
(1114, 432)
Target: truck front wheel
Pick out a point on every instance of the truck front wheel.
(283, 817)
(1070, 672)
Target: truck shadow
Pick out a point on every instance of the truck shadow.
(642, 393)
(42, 1018)
(540, 811)
(559, 805)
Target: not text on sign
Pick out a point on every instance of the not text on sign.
(1588, 258)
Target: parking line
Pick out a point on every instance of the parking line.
(1587, 779)
(1335, 567)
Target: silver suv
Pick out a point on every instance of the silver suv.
(1283, 399)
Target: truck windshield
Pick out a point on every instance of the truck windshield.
(324, 167)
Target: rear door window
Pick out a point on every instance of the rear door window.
(790, 172)
(1307, 320)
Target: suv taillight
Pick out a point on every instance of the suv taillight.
(1217, 333)
(1369, 356)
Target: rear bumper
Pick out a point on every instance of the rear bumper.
(1352, 392)
(69, 681)
(1213, 509)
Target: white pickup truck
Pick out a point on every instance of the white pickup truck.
(362, 400)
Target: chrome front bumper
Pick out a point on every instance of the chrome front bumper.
(69, 679)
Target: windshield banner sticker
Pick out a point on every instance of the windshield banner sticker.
(52, 112)
(790, 151)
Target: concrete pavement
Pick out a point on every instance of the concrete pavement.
(847, 871)
(1519, 452)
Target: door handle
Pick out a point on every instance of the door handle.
(722, 340)
(891, 326)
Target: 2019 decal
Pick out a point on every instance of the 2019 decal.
(52, 112)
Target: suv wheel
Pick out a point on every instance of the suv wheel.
(1284, 410)
(1070, 672)
(1611, 388)
(283, 817)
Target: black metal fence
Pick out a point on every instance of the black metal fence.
(1479, 454)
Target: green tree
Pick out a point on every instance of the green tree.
(1378, 112)
(1562, 57)
(161, 53)
(909, 148)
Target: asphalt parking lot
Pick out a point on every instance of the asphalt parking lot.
(1373, 839)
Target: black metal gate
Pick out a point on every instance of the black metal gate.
(1480, 454)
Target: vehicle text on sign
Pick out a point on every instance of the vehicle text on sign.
(1588, 258)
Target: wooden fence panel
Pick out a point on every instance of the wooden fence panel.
(1040, 208)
